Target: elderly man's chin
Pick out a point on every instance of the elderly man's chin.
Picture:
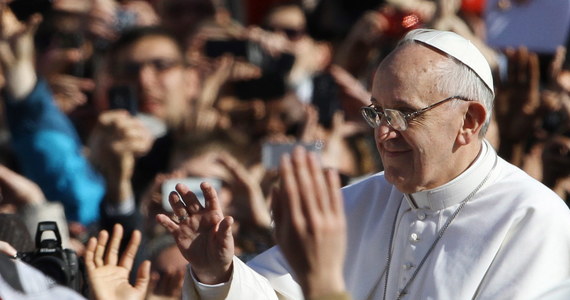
(403, 180)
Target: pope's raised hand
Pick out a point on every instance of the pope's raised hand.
(202, 234)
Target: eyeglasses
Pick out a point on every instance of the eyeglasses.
(292, 34)
(132, 69)
(396, 119)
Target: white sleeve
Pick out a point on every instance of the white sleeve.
(244, 283)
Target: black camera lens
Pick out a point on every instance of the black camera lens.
(53, 267)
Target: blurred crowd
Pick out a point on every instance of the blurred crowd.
(106, 103)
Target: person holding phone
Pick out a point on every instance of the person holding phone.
(446, 219)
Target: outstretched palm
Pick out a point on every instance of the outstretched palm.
(204, 237)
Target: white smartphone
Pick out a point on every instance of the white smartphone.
(193, 183)
(271, 152)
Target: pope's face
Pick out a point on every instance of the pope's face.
(421, 157)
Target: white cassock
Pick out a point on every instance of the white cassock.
(510, 240)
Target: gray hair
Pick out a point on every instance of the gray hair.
(455, 78)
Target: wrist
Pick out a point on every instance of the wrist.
(333, 296)
(321, 285)
(21, 79)
(208, 276)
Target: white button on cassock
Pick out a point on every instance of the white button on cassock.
(421, 215)
(414, 237)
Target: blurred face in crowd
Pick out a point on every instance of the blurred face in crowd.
(423, 156)
(289, 20)
(182, 17)
(154, 65)
(282, 117)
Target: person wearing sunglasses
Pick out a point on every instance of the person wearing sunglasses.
(446, 219)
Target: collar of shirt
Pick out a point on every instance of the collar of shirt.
(458, 189)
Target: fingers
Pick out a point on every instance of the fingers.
(334, 185)
(319, 183)
(277, 211)
(90, 253)
(289, 200)
(112, 255)
(557, 63)
(533, 70)
(192, 205)
(224, 226)
(167, 223)
(237, 170)
(97, 247)
(211, 197)
(307, 193)
(305, 181)
(178, 207)
(100, 248)
(224, 232)
(7, 249)
(131, 251)
(143, 276)
(33, 23)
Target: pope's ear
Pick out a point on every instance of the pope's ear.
(473, 121)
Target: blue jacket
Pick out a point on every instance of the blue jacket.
(49, 152)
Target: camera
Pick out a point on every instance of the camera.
(62, 265)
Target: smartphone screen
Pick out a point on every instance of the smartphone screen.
(193, 183)
(123, 97)
(271, 152)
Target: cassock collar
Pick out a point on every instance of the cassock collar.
(460, 187)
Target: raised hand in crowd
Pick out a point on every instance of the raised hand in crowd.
(17, 190)
(556, 94)
(334, 150)
(247, 192)
(143, 12)
(446, 18)
(17, 52)
(117, 140)
(310, 225)
(69, 91)
(203, 234)
(102, 18)
(108, 274)
(7, 249)
(353, 94)
(356, 50)
(517, 103)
